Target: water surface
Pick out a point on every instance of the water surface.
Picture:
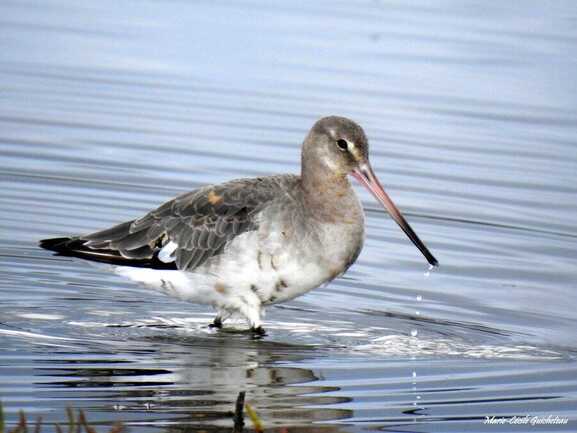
(107, 110)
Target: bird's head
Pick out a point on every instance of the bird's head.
(339, 147)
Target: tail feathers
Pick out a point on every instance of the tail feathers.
(76, 247)
(60, 245)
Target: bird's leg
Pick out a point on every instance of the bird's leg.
(258, 331)
(221, 316)
(252, 312)
(216, 323)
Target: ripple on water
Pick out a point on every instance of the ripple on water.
(472, 127)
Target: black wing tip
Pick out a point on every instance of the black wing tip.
(58, 245)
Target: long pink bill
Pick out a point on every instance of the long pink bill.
(366, 176)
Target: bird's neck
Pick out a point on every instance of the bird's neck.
(329, 197)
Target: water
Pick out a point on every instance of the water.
(107, 109)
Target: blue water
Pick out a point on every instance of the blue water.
(108, 109)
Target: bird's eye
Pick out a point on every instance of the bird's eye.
(342, 144)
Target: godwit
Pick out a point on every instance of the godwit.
(245, 244)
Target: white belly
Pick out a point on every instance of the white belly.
(246, 272)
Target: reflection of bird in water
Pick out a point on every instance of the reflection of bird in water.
(245, 244)
(190, 382)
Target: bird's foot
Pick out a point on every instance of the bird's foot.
(217, 323)
(258, 332)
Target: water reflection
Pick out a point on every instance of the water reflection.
(189, 382)
(108, 109)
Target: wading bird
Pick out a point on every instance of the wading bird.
(245, 244)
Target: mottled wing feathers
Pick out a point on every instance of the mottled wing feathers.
(200, 223)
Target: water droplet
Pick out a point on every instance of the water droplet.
(428, 271)
(418, 397)
(414, 332)
(419, 298)
(414, 373)
(417, 313)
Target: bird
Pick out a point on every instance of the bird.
(243, 245)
